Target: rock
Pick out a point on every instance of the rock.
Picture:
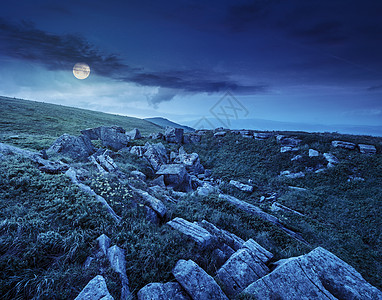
(206, 189)
(138, 150)
(297, 158)
(297, 189)
(156, 155)
(88, 262)
(56, 167)
(174, 135)
(104, 163)
(198, 284)
(313, 153)
(113, 137)
(190, 161)
(257, 250)
(116, 257)
(176, 177)
(195, 232)
(286, 149)
(192, 138)
(162, 291)
(316, 275)
(134, 134)
(76, 147)
(138, 174)
(367, 149)
(288, 141)
(152, 202)
(159, 181)
(262, 135)
(289, 174)
(103, 242)
(157, 136)
(331, 159)
(220, 134)
(241, 186)
(353, 178)
(207, 173)
(277, 207)
(344, 145)
(152, 216)
(96, 289)
(239, 271)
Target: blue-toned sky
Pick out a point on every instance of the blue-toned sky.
(301, 62)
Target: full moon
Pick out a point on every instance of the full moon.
(81, 70)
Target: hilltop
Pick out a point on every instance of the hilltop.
(101, 204)
(163, 122)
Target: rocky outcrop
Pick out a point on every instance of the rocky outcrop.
(134, 134)
(198, 284)
(344, 145)
(176, 177)
(317, 275)
(174, 135)
(113, 137)
(367, 149)
(195, 232)
(241, 186)
(162, 291)
(75, 147)
(96, 289)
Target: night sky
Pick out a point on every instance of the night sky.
(305, 62)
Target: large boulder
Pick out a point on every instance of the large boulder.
(174, 135)
(113, 137)
(316, 275)
(154, 203)
(76, 147)
(176, 177)
(162, 291)
(190, 161)
(96, 289)
(156, 155)
(116, 257)
(367, 149)
(134, 134)
(198, 284)
(344, 145)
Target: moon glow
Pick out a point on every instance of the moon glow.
(81, 70)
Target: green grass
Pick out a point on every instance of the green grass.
(39, 124)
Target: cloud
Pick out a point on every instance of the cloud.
(60, 52)
(163, 94)
(375, 88)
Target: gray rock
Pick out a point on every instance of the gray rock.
(116, 257)
(344, 145)
(289, 174)
(297, 189)
(151, 215)
(156, 155)
(138, 150)
(190, 161)
(176, 177)
(296, 158)
(258, 251)
(206, 189)
(262, 135)
(241, 186)
(138, 174)
(192, 138)
(220, 134)
(152, 202)
(331, 159)
(174, 135)
(195, 232)
(162, 291)
(103, 242)
(104, 163)
(157, 136)
(313, 153)
(316, 275)
(76, 147)
(288, 141)
(240, 270)
(113, 137)
(159, 181)
(88, 262)
(367, 149)
(134, 134)
(286, 149)
(96, 289)
(198, 284)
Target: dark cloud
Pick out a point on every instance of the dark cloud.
(60, 52)
(375, 88)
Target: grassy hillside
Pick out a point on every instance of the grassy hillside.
(165, 122)
(38, 124)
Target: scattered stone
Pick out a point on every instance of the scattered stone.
(289, 174)
(353, 178)
(152, 216)
(176, 177)
(116, 257)
(286, 149)
(206, 189)
(241, 186)
(207, 173)
(344, 145)
(138, 174)
(113, 137)
(297, 189)
(198, 284)
(313, 153)
(96, 289)
(262, 135)
(197, 233)
(220, 134)
(174, 135)
(152, 202)
(103, 243)
(240, 270)
(316, 275)
(134, 134)
(262, 198)
(158, 136)
(331, 159)
(367, 149)
(162, 291)
(88, 262)
(76, 147)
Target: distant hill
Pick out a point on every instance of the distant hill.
(165, 122)
(38, 124)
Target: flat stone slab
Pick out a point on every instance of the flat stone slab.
(198, 284)
(344, 145)
(367, 149)
(316, 275)
(195, 232)
(162, 291)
